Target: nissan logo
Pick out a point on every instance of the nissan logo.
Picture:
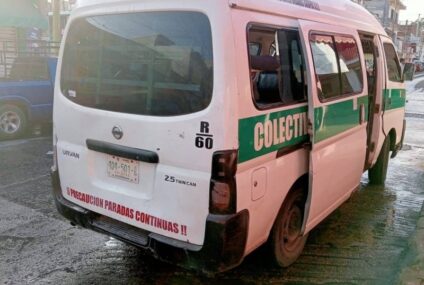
(117, 132)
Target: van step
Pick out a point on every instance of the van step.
(122, 230)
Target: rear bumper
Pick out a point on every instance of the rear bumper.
(223, 248)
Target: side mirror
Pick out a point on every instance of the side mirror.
(408, 72)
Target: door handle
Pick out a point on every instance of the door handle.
(362, 114)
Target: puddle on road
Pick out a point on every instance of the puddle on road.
(112, 243)
(363, 242)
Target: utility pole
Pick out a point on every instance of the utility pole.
(56, 25)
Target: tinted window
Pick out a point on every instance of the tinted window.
(337, 65)
(393, 66)
(326, 66)
(368, 49)
(295, 65)
(154, 63)
(277, 75)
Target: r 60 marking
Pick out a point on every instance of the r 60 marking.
(202, 142)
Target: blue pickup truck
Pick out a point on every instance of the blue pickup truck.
(26, 95)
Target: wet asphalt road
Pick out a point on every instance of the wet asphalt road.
(366, 241)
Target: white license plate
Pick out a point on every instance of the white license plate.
(123, 168)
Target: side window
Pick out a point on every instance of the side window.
(326, 67)
(370, 64)
(350, 65)
(292, 66)
(277, 71)
(393, 66)
(337, 65)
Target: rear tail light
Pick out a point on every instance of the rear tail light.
(223, 196)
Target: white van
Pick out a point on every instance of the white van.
(202, 129)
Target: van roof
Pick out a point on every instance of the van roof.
(335, 12)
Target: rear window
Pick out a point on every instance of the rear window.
(150, 63)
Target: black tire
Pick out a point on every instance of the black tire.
(378, 173)
(13, 122)
(286, 242)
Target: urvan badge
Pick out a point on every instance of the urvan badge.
(117, 132)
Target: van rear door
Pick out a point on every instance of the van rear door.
(133, 119)
(338, 103)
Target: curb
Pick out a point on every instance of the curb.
(414, 115)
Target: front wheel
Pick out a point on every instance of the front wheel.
(13, 122)
(378, 173)
(286, 239)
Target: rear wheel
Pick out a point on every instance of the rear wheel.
(13, 122)
(286, 239)
(378, 173)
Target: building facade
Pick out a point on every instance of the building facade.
(66, 7)
(22, 24)
(387, 11)
(412, 35)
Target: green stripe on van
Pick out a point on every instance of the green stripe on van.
(394, 99)
(264, 134)
(337, 118)
(268, 133)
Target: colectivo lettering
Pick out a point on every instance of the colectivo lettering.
(279, 130)
(128, 212)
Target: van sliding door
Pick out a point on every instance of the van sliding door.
(374, 64)
(394, 95)
(338, 104)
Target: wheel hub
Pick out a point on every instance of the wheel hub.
(291, 231)
(9, 122)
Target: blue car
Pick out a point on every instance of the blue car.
(26, 95)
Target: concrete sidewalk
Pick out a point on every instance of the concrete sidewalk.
(413, 273)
